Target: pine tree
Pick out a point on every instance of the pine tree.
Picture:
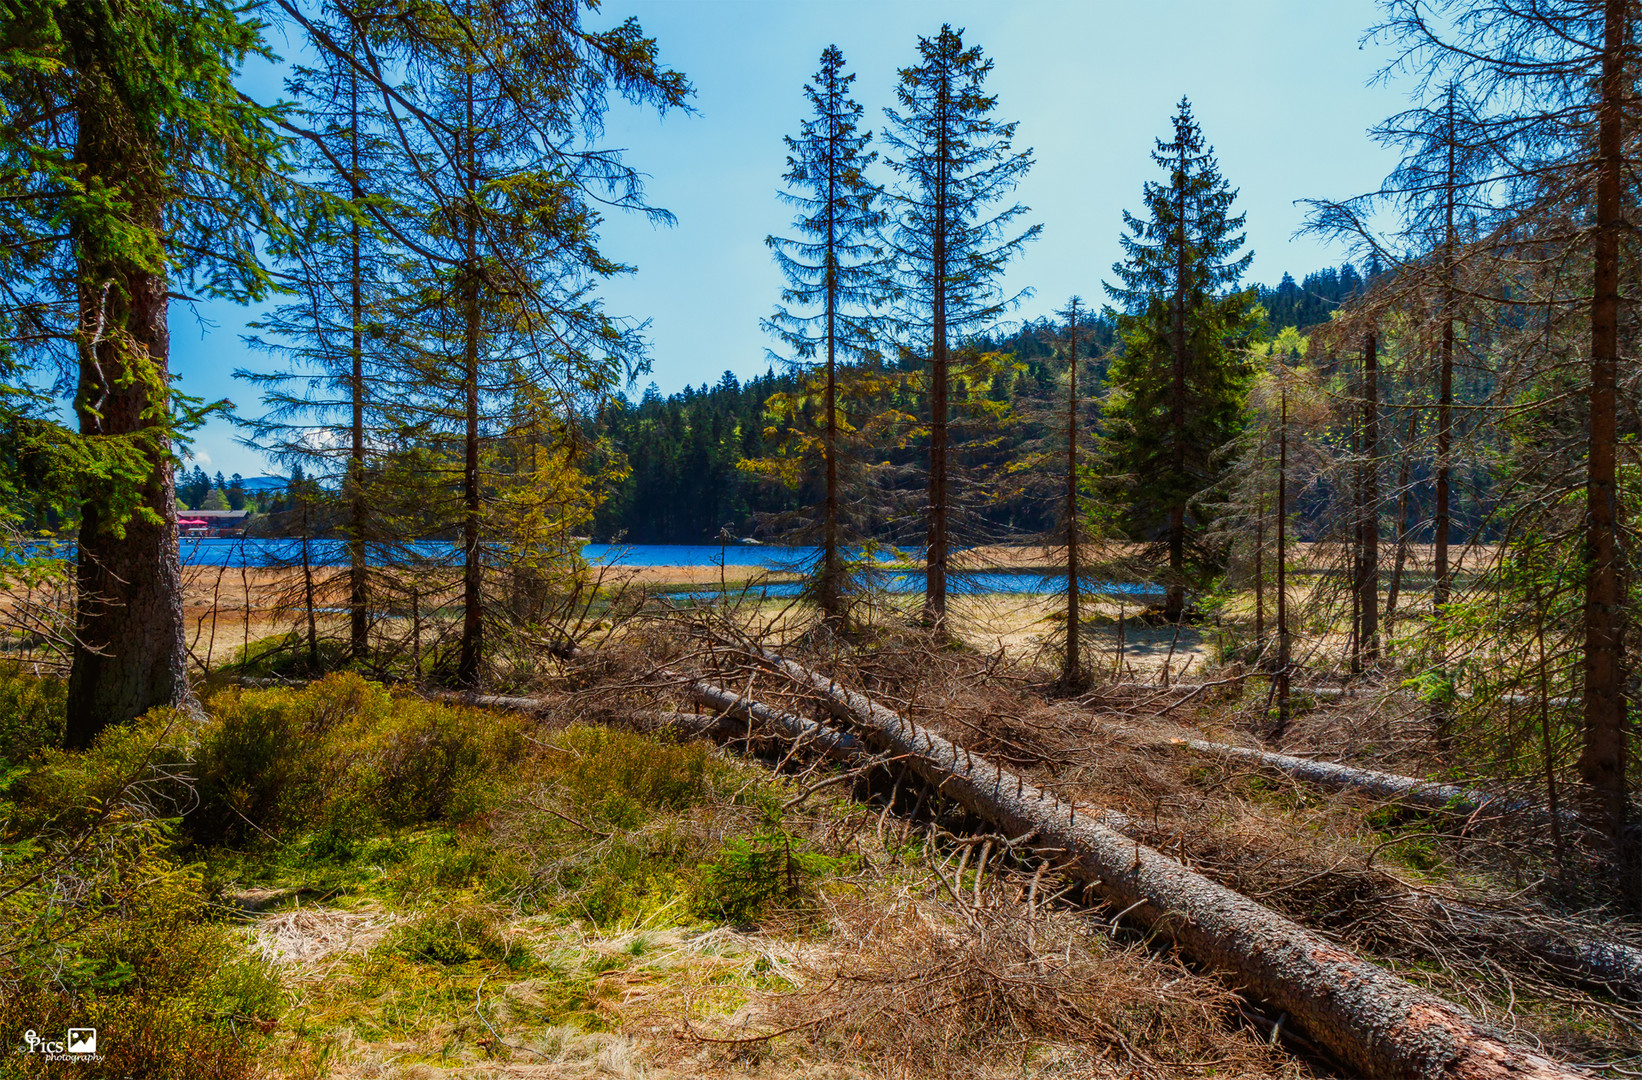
(333, 396)
(1072, 510)
(143, 171)
(499, 324)
(837, 267)
(1178, 380)
(953, 158)
(1560, 80)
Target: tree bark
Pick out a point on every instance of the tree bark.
(935, 563)
(1072, 668)
(1370, 546)
(1283, 652)
(832, 568)
(467, 668)
(1403, 528)
(129, 653)
(1602, 758)
(358, 572)
(1442, 585)
(1174, 599)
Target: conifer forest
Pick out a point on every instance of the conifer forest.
(1217, 670)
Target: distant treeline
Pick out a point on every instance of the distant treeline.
(685, 486)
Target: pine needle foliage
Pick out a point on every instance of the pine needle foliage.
(953, 158)
(1178, 379)
(835, 270)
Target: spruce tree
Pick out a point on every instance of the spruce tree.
(953, 158)
(834, 271)
(135, 169)
(498, 323)
(1178, 380)
(333, 397)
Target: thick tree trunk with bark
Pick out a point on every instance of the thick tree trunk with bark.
(1602, 759)
(129, 653)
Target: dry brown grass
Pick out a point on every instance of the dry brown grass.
(1001, 990)
(1449, 906)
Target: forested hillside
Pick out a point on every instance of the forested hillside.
(685, 450)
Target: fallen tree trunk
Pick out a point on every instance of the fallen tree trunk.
(1372, 1020)
(1408, 789)
(1125, 689)
(837, 746)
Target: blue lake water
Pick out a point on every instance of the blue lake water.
(267, 552)
(275, 552)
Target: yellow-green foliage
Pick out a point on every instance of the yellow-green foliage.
(345, 754)
(104, 925)
(754, 878)
(454, 820)
(457, 934)
(622, 779)
(31, 715)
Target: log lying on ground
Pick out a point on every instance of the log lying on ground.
(838, 746)
(1128, 689)
(1407, 789)
(1372, 1020)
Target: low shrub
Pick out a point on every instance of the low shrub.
(344, 756)
(456, 934)
(105, 927)
(754, 879)
(32, 712)
(623, 778)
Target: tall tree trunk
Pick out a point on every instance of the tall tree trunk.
(1355, 640)
(129, 651)
(1260, 574)
(1072, 668)
(1282, 564)
(1369, 582)
(936, 557)
(1442, 583)
(1403, 526)
(1442, 586)
(832, 566)
(467, 669)
(1174, 601)
(1602, 759)
(358, 579)
(308, 602)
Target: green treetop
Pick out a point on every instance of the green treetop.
(1179, 378)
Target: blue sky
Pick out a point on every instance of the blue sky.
(1279, 87)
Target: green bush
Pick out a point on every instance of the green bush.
(137, 769)
(753, 879)
(343, 756)
(32, 712)
(623, 778)
(116, 932)
(456, 934)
